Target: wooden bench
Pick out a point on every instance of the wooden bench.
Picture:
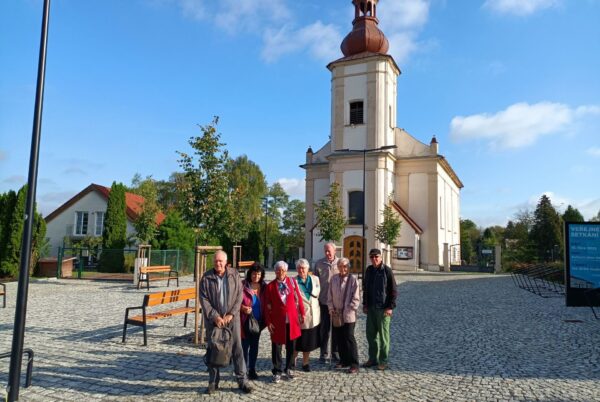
(3, 294)
(144, 275)
(242, 265)
(159, 299)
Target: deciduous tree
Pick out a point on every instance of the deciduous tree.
(330, 215)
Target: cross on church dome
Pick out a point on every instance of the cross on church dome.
(365, 35)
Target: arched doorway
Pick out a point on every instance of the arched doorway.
(353, 252)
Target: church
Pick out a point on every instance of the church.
(376, 163)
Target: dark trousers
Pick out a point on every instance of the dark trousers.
(289, 352)
(250, 347)
(325, 332)
(346, 342)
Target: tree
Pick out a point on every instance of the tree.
(12, 212)
(388, 231)
(145, 224)
(469, 234)
(596, 218)
(205, 185)
(114, 237)
(572, 215)
(174, 233)
(330, 215)
(546, 231)
(293, 224)
(518, 246)
(246, 187)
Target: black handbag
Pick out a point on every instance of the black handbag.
(252, 326)
(219, 351)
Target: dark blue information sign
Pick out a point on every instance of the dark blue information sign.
(582, 260)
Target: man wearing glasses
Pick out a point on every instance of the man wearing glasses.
(379, 299)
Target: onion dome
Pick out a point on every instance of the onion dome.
(365, 35)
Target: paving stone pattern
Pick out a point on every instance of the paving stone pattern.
(455, 337)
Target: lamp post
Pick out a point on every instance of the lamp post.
(364, 153)
(266, 251)
(14, 373)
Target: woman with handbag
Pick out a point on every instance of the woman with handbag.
(309, 291)
(251, 316)
(343, 302)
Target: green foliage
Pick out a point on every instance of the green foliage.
(572, 215)
(174, 233)
(388, 231)
(12, 212)
(518, 247)
(330, 215)
(114, 237)
(145, 225)
(205, 185)
(546, 231)
(246, 187)
(469, 236)
(596, 218)
(293, 224)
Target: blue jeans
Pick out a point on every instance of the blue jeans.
(250, 348)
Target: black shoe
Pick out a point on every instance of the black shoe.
(306, 368)
(369, 363)
(323, 359)
(252, 375)
(211, 389)
(335, 357)
(246, 389)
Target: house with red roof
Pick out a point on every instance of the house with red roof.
(83, 215)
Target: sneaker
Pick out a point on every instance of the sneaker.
(290, 375)
(353, 370)
(211, 389)
(306, 368)
(369, 363)
(381, 367)
(276, 378)
(246, 389)
(252, 375)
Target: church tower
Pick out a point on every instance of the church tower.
(377, 164)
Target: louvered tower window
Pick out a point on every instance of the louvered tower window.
(356, 112)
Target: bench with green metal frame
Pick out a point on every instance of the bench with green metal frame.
(159, 299)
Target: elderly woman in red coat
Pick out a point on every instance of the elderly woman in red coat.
(284, 312)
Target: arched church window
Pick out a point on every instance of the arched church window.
(369, 9)
(356, 210)
(356, 112)
(362, 7)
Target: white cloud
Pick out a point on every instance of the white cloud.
(319, 40)
(519, 125)
(594, 151)
(294, 187)
(519, 7)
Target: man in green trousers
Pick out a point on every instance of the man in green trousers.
(379, 300)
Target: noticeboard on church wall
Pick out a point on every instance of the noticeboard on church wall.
(403, 253)
(582, 261)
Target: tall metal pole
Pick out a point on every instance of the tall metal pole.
(266, 220)
(14, 373)
(364, 214)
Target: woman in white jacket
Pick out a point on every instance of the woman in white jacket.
(310, 288)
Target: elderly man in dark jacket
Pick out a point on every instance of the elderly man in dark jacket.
(221, 297)
(379, 299)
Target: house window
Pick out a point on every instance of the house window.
(356, 112)
(99, 223)
(81, 223)
(356, 210)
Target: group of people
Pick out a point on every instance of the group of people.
(301, 312)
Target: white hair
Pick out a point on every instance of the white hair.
(280, 264)
(302, 262)
(221, 252)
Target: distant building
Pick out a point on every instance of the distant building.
(426, 190)
(83, 215)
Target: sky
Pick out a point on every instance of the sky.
(510, 89)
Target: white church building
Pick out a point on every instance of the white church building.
(364, 139)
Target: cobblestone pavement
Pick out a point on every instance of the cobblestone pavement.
(454, 337)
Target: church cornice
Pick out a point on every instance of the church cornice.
(361, 57)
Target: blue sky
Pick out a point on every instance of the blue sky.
(511, 89)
